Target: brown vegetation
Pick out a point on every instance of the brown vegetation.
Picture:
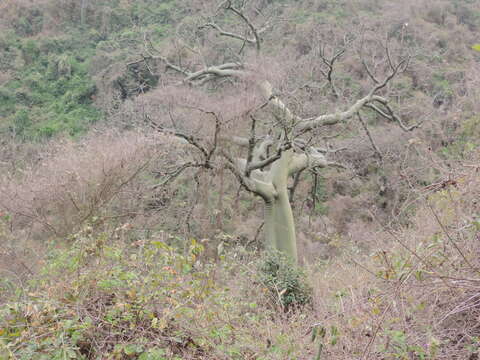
(390, 244)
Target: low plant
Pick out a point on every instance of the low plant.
(286, 281)
(113, 295)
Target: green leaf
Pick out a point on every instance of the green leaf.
(319, 352)
(161, 245)
(153, 354)
(476, 47)
(132, 349)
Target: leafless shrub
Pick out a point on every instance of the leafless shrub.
(416, 277)
(73, 182)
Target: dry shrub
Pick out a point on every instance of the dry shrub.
(73, 182)
(416, 294)
(11, 12)
(5, 77)
(435, 12)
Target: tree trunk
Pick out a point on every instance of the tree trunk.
(83, 9)
(279, 224)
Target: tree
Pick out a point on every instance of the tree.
(280, 144)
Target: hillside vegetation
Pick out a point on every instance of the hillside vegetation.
(127, 232)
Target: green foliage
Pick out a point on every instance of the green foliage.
(53, 92)
(53, 80)
(325, 12)
(29, 22)
(466, 142)
(146, 13)
(398, 347)
(323, 337)
(138, 299)
(321, 197)
(286, 281)
(467, 14)
(442, 89)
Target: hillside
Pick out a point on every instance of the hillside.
(294, 179)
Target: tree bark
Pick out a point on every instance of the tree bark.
(279, 224)
(83, 8)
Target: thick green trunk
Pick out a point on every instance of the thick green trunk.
(279, 224)
(280, 227)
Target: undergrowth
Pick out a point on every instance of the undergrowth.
(286, 282)
(111, 295)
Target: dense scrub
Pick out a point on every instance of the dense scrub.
(64, 63)
(115, 292)
(56, 55)
(118, 295)
(114, 248)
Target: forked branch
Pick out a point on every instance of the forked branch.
(228, 6)
(329, 62)
(390, 114)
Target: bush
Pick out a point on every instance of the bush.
(76, 181)
(117, 295)
(285, 280)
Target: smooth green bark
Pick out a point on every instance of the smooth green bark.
(279, 224)
(280, 227)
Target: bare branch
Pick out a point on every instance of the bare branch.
(148, 46)
(261, 151)
(222, 32)
(189, 138)
(228, 69)
(264, 163)
(296, 181)
(238, 140)
(175, 173)
(332, 119)
(263, 189)
(281, 111)
(395, 69)
(364, 63)
(389, 114)
(330, 62)
(251, 142)
(300, 143)
(216, 134)
(374, 145)
(229, 6)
